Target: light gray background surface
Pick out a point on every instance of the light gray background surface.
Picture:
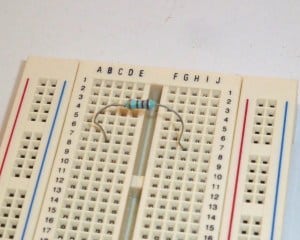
(245, 37)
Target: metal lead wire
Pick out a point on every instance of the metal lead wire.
(180, 119)
(138, 104)
(101, 111)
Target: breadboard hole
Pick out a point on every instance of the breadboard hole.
(10, 212)
(26, 155)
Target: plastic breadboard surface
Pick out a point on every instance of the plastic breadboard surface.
(60, 179)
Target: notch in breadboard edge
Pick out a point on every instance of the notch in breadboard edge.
(140, 185)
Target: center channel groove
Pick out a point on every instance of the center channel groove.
(142, 156)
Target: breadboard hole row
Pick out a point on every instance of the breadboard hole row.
(186, 105)
(42, 100)
(105, 92)
(190, 162)
(123, 145)
(98, 172)
(10, 212)
(194, 92)
(26, 155)
(182, 233)
(76, 235)
(119, 85)
(264, 119)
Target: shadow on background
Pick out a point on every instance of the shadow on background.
(11, 101)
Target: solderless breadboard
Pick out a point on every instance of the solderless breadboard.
(60, 179)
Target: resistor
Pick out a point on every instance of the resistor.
(148, 104)
(132, 104)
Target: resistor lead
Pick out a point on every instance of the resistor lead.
(132, 104)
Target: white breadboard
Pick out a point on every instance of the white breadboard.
(60, 180)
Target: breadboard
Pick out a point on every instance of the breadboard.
(60, 179)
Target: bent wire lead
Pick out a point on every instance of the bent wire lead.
(132, 104)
